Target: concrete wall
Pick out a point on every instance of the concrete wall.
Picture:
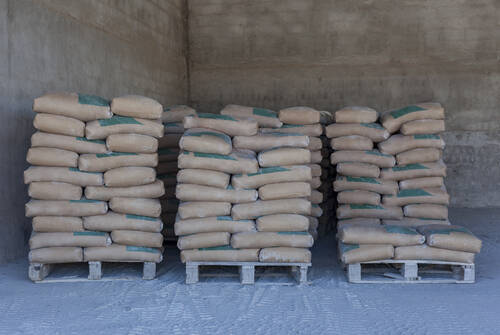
(383, 54)
(101, 47)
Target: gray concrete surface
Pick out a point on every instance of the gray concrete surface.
(221, 306)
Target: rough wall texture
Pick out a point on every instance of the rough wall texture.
(99, 47)
(328, 54)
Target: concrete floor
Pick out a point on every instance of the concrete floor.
(328, 306)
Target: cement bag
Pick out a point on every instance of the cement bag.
(264, 117)
(132, 143)
(49, 224)
(137, 206)
(316, 156)
(422, 127)
(417, 196)
(451, 238)
(113, 160)
(284, 156)
(316, 197)
(393, 120)
(116, 221)
(82, 207)
(122, 253)
(149, 191)
(53, 255)
(192, 192)
(373, 131)
(176, 113)
(424, 252)
(53, 190)
(212, 224)
(369, 211)
(100, 129)
(299, 115)
(271, 239)
(136, 106)
(203, 240)
(79, 106)
(76, 144)
(313, 223)
(57, 124)
(358, 197)
(400, 143)
(425, 182)
(415, 222)
(239, 161)
(168, 179)
(168, 154)
(374, 157)
(285, 255)
(268, 141)
(220, 254)
(357, 253)
(358, 169)
(366, 184)
(419, 155)
(307, 130)
(62, 174)
(352, 142)
(52, 157)
(357, 221)
(139, 238)
(206, 141)
(356, 114)
(272, 175)
(393, 235)
(203, 177)
(316, 170)
(167, 167)
(169, 141)
(229, 125)
(268, 207)
(69, 239)
(285, 190)
(428, 211)
(129, 176)
(198, 209)
(316, 211)
(315, 143)
(417, 170)
(282, 222)
(174, 128)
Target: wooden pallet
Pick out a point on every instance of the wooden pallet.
(247, 270)
(410, 272)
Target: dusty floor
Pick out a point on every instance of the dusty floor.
(328, 306)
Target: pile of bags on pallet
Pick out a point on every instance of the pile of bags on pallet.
(89, 156)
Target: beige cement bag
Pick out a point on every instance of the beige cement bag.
(113, 160)
(316, 170)
(132, 143)
(374, 157)
(129, 176)
(137, 206)
(212, 224)
(167, 167)
(220, 254)
(268, 207)
(271, 239)
(116, 221)
(79, 106)
(239, 161)
(316, 156)
(261, 142)
(417, 170)
(313, 223)
(76, 144)
(168, 154)
(285, 255)
(419, 155)
(149, 191)
(174, 128)
(169, 141)
(285, 190)
(69, 239)
(393, 120)
(284, 156)
(192, 192)
(136, 106)
(100, 129)
(315, 143)
(428, 211)
(203, 177)
(373, 131)
(282, 222)
(393, 235)
(206, 141)
(199, 209)
(425, 182)
(52, 190)
(300, 115)
(357, 253)
(57, 124)
(272, 175)
(417, 196)
(358, 169)
(139, 238)
(366, 184)
(82, 207)
(316, 211)
(400, 143)
(203, 240)
(357, 221)
(422, 127)
(62, 174)
(369, 211)
(176, 113)
(122, 253)
(424, 252)
(53, 255)
(356, 114)
(307, 130)
(227, 124)
(450, 237)
(264, 117)
(50, 224)
(415, 222)
(352, 142)
(52, 157)
(358, 197)
(316, 197)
